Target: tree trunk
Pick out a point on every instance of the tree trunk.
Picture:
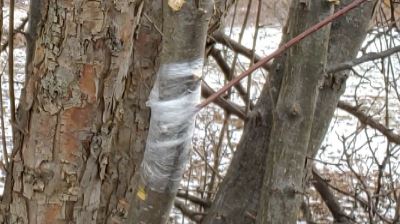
(293, 115)
(83, 121)
(237, 199)
(173, 101)
(83, 112)
(83, 117)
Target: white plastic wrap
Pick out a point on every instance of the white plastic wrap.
(173, 102)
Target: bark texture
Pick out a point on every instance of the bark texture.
(83, 119)
(346, 38)
(293, 114)
(237, 199)
(83, 116)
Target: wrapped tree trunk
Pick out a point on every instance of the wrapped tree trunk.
(173, 104)
(83, 118)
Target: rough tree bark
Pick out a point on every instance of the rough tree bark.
(237, 199)
(82, 117)
(83, 121)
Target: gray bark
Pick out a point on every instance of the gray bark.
(347, 36)
(237, 199)
(293, 115)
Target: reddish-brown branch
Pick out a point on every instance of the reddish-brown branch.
(228, 106)
(226, 70)
(280, 50)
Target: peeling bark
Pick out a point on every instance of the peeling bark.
(83, 114)
(83, 107)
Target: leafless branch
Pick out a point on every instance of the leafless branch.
(367, 120)
(330, 200)
(365, 58)
(228, 106)
(195, 216)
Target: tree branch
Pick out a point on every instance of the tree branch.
(230, 107)
(17, 30)
(194, 216)
(226, 70)
(365, 58)
(194, 199)
(330, 200)
(281, 50)
(238, 48)
(367, 120)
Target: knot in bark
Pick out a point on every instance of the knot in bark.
(295, 110)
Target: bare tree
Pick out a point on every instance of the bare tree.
(87, 149)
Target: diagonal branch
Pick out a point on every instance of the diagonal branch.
(193, 199)
(19, 29)
(235, 46)
(226, 70)
(365, 119)
(228, 106)
(365, 58)
(239, 48)
(194, 216)
(330, 200)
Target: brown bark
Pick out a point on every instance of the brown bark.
(83, 109)
(83, 121)
(83, 118)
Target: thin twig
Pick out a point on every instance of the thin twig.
(3, 132)
(253, 54)
(17, 30)
(11, 65)
(228, 106)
